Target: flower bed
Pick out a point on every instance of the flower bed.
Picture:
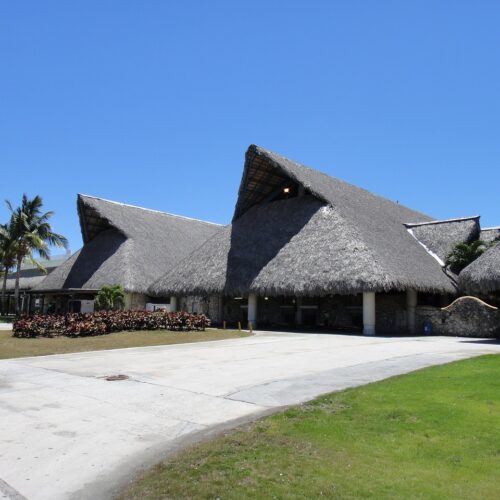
(103, 322)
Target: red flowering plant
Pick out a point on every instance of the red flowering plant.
(102, 322)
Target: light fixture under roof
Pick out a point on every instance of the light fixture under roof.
(286, 190)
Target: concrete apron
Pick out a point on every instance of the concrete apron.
(68, 432)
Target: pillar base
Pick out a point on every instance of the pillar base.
(368, 330)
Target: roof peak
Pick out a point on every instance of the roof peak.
(266, 151)
(81, 195)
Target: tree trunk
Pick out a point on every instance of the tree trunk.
(16, 290)
(4, 289)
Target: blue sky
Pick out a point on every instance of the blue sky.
(154, 103)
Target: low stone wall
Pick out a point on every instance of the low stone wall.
(465, 317)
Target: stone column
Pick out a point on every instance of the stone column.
(252, 309)
(368, 313)
(173, 303)
(411, 305)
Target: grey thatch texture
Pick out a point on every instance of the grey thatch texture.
(126, 245)
(337, 238)
(483, 275)
(27, 280)
(490, 234)
(440, 237)
(30, 276)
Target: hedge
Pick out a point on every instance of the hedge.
(103, 322)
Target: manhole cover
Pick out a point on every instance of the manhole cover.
(114, 378)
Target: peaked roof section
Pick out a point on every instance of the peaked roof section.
(441, 236)
(483, 275)
(341, 239)
(489, 234)
(126, 245)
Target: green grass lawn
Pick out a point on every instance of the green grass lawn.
(11, 347)
(434, 433)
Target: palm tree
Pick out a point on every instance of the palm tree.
(7, 257)
(110, 297)
(465, 253)
(33, 234)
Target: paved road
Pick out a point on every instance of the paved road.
(67, 432)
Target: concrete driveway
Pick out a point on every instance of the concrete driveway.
(67, 432)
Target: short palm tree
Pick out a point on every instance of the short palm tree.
(465, 253)
(110, 297)
(33, 234)
(7, 257)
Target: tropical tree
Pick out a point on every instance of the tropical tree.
(33, 235)
(465, 253)
(110, 297)
(7, 257)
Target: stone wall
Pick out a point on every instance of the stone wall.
(465, 317)
(193, 304)
(391, 315)
(135, 301)
(216, 308)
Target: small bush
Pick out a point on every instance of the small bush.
(464, 254)
(103, 322)
(110, 297)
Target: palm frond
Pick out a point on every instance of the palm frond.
(36, 264)
(9, 206)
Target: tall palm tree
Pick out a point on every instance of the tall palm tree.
(7, 257)
(33, 234)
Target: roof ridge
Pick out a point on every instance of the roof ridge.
(434, 255)
(409, 225)
(493, 228)
(149, 209)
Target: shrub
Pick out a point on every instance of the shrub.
(110, 297)
(102, 322)
(464, 254)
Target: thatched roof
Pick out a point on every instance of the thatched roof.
(489, 234)
(441, 236)
(30, 276)
(126, 245)
(336, 238)
(483, 275)
(28, 279)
